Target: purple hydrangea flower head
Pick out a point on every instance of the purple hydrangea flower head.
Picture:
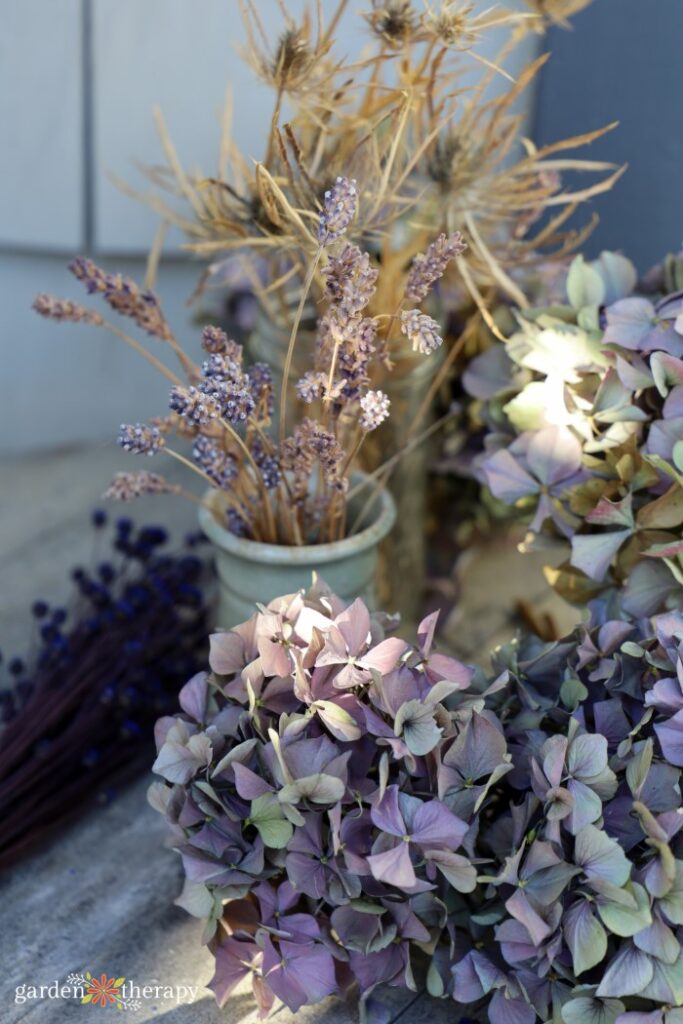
(351, 807)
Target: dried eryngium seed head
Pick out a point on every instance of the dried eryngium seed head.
(395, 21)
(452, 26)
(293, 57)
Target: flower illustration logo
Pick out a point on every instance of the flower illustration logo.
(103, 991)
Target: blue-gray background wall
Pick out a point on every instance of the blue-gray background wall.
(623, 61)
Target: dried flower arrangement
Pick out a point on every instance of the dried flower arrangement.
(351, 808)
(431, 150)
(292, 488)
(582, 412)
(76, 714)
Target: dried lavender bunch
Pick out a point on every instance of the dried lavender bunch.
(287, 487)
(76, 715)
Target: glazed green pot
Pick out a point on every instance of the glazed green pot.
(250, 572)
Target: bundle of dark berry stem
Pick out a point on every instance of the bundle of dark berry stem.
(274, 486)
(76, 720)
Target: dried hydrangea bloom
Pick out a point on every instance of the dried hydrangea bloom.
(589, 446)
(350, 281)
(193, 405)
(422, 331)
(126, 486)
(375, 409)
(140, 439)
(124, 296)
(63, 310)
(369, 787)
(210, 456)
(428, 267)
(339, 208)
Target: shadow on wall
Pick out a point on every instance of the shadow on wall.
(621, 62)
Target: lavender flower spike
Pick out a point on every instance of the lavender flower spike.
(216, 341)
(339, 209)
(126, 486)
(140, 439)
(54, 308)
(124, 296)
(428, 267)
(375, 409)
(193, 406)
(220, 465)
(350, 281)
(422, 331)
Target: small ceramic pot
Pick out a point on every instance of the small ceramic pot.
(250, 571)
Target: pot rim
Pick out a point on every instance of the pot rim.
(305, 554)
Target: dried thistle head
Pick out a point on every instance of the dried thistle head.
(394, 21)
(296, 64)
(452, 25)
(454, 163)
(428, 152)
(293, 58)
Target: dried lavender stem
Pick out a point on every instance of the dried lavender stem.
(141, 350)
(342, 516)
(478, 298)
(184, 493)
(190, 465)
(292, 338)
(267, 506)
(439, 378)
(382, 473)
(190, 368)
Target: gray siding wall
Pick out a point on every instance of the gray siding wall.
(622, 62)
